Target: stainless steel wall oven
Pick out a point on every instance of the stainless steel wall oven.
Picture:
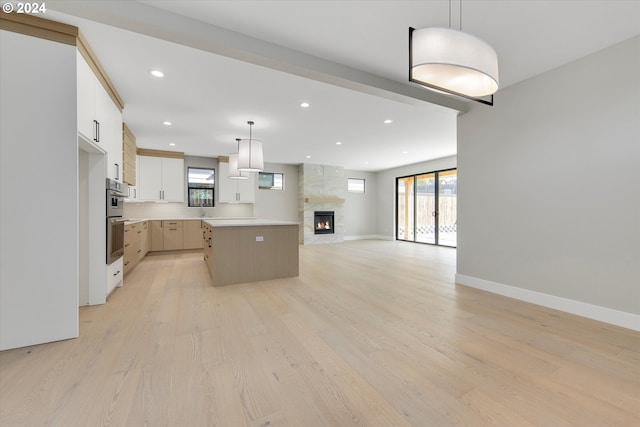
(115, 222)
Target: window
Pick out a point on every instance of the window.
(200, 186)
(355, 185)
(270, 181)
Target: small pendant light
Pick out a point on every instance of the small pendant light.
(250, 154)
(234, 173)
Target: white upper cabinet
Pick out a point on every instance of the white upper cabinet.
(99, 118)
(235, 190)
(160, 179)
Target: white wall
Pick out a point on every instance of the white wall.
(360, 210)
(386, 182)
(549, 188)
(276, 204)
(38, 191)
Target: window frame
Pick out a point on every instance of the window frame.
(198, 186)
(273, 187)
(364, 185)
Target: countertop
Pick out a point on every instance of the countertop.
(219, 222)
(251, 222)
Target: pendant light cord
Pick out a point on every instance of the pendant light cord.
(460, 17)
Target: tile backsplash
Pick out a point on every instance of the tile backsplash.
(153, 210)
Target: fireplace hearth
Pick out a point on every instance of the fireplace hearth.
(323, 222)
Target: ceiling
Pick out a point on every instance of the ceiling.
(227, 62)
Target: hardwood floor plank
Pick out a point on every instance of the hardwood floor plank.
(371, 333)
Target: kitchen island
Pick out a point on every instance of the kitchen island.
(250, 250)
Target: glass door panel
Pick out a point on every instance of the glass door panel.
(406, 209)
(426, 216)
(447, 207)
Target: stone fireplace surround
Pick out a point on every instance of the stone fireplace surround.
(321, 188)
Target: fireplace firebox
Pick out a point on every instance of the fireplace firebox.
(323, 222)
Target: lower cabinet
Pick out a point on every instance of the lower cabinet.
(136, 238)
(115, 273)
(172, 235)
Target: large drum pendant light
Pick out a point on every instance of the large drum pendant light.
(234, 173)
(250, 157)
(450, 61)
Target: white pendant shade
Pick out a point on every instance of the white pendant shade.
(454, 60)
(234, 173)
(250, 155)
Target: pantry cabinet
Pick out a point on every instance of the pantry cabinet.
(99, 118)
(160, 179)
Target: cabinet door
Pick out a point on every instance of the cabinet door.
(86, 82)
(157, 236)
(226, 188)
(110, 119)
(149, 178)
(247, 189)
(173, 179)
(192, 234)
(173, 237)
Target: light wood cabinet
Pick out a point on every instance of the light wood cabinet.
(135, 244)
(157, 236)
(252, 253)
(129, 153)
(234, 190)
(160, 179)
(192, 234)
(172, 235)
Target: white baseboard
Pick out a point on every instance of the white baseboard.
(368, 237)
(595, 312)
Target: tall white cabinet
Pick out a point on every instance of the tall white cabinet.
(38, 143)
(160, 179)
(99, 119)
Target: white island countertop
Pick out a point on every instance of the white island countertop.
(249, 222)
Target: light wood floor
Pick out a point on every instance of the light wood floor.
(372, 333)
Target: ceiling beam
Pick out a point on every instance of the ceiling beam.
(151, 21)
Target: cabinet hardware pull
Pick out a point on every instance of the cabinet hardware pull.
(116, 273)
(98, 130)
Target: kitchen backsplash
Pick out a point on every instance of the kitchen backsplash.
(178, 210)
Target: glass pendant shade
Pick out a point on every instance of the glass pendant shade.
(234, 173)
(453, 60)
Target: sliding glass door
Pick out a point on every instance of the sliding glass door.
(426, 208)
(405, 208)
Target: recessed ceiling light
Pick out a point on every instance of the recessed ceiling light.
(338, 143)
(308, 157)
(166, 123)
(173, 144)
(386, 122)
(304, 105)
(366, 163)
(157, 73)
(405, 152)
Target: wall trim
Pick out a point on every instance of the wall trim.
(34, 26)
(160, 153)
(590, 311)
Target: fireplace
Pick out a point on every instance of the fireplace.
(323, 222)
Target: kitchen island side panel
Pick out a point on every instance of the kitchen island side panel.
(254, 253)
